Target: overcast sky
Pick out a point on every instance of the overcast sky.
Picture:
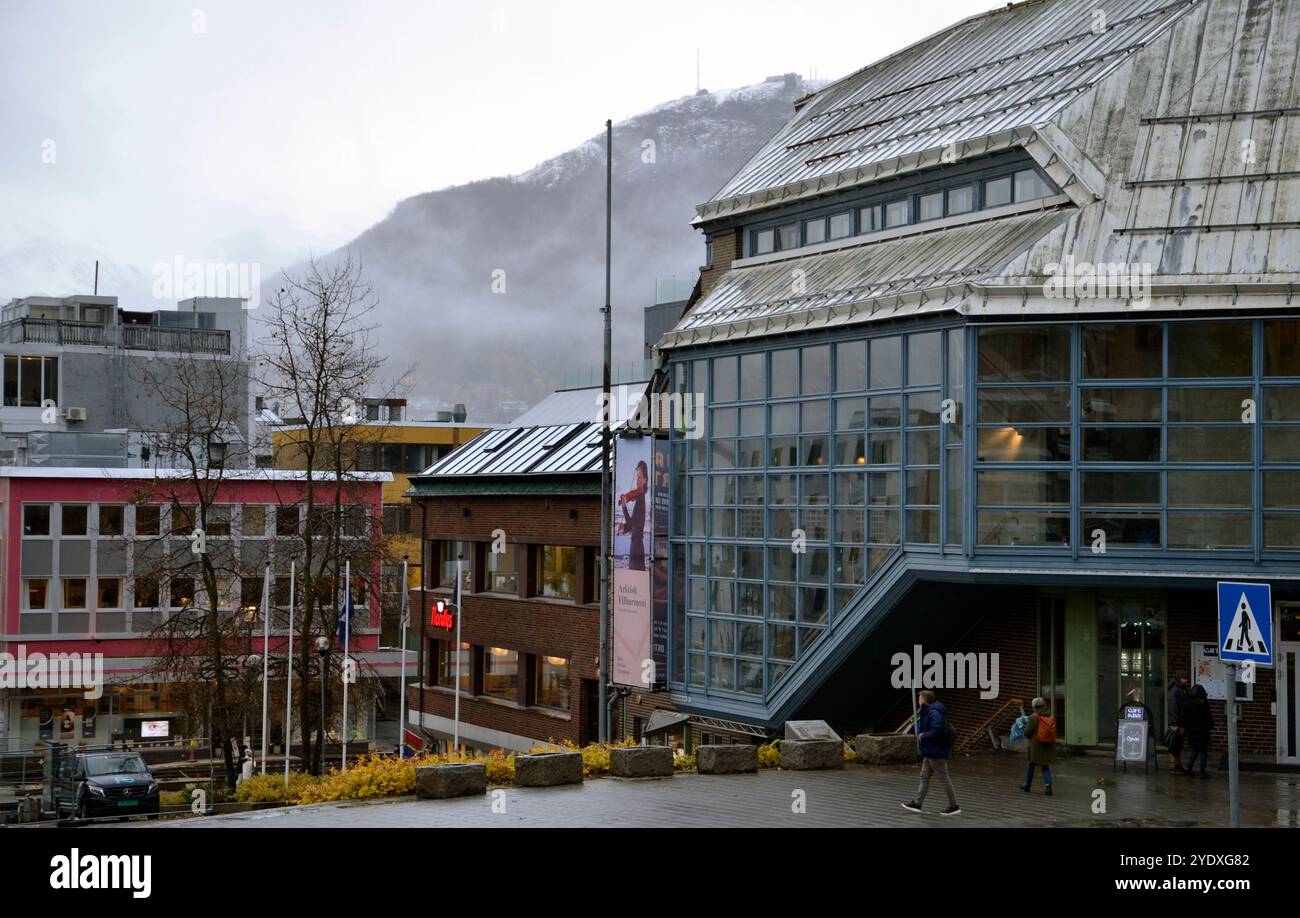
(220, 130)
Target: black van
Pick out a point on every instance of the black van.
(90, 784)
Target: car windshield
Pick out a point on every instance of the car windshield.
(115, 765)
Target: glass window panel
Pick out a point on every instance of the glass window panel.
(781, 523)
(1022, 527)
(698, 629)
(1282, 348)
(1282, 403)
(1282, 444)
(724, 523)
(851, 366)
(750, 489)
(814, 565)
(817, 370)
(850, 564)
(1122, 405)
(752, 376)
(923, 359)
(953, 497)
(814, 450)
(698, 559)
(1282, 530)
(29, 392)
(724, 379)
(1034, 353)
(780, 642)
(782, 489)
(957, 379)
(882, 527)
(1020, 405)
(788, 236)
(1199, 349)
(749, 453)
(724, 489)
(1030, 186)
(923, 527)
(841, 225)
(931, 205)
(724, 422)
(814, 231)
(751, 563)
(696, 677)
(961, 200)
(850, 413)
(898, 213)
(850, 525)
(724, 454)
(884, 449)
(850, 449)
(886, 363)
(1121, 444)
(722, 636)
(882, 488)
(781, 563)
(1282, 490)
(923, 486)
(850, 489)
(1210, 489)
(749, 638)
(815, 416)
(764, 242)
(1024, 444)
(814, 490)
(785, 373)
(884, 410)
(722, 597)
(1123, 351)
(1209, 530)
(1123, 529)
(997, 192)
(869, 219)
(1121, 489)
(749, 599)
(814, 605)
(1210, 444)
(1208, 404)
(74, 519)
(751, 421)
(780, 603)
(722, 673)
(785, 419)
(1002, 489)
(923, 447)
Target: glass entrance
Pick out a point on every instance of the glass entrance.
(1131, 659)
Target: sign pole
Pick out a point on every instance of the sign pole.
(288, 680)
(266, 656)
(401, 682)
(1234, 776)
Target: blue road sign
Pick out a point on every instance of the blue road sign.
(1246, 622)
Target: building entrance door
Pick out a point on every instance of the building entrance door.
(1287, 662)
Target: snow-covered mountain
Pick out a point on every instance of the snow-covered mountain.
(538, 240)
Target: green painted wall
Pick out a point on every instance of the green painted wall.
(1081, 667)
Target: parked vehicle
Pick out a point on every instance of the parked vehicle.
(96, 784)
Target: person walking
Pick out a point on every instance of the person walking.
(1175, 737)
(1041, 730)
(1197, 721)
(934, 737)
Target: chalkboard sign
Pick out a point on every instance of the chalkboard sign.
(1133, 743)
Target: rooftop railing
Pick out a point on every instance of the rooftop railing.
(127, 337)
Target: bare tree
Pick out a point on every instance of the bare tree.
(317, 362)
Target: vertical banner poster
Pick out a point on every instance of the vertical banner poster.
(659, 625)
(633, 540)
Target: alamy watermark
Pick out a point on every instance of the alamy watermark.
(919, 670)
(683, 411)
(84, 671)
(1112, 280)
(180, 280)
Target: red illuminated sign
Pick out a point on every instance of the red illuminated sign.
(441, 617)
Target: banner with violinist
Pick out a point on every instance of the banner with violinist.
(633, 528)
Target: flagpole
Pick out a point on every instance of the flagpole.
(347, 639)
(401, 683)
(266, 653)
(288, 680)
(455, 728)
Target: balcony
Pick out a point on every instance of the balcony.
(127, 337)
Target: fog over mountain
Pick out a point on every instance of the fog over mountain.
(432, 260)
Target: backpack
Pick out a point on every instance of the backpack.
(945, 735)
(1046, 732)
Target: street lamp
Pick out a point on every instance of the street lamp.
(322, 648)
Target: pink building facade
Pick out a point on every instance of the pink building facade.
(92, 560)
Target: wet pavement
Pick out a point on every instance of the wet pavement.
(1086, 793)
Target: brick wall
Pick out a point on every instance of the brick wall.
(727, 247)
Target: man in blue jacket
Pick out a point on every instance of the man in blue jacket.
(934, 740)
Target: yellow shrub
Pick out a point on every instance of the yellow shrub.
(684, 763)
(769, 754)
(270, 788)
(171, 798)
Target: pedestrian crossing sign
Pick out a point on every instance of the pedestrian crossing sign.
(1246, 623)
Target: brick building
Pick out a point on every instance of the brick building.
(529, 614)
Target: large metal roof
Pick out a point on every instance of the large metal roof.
(924, 271)
(1013, 67)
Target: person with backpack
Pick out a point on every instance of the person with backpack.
(1197, 721)
(934, 739)
(1041, 730)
